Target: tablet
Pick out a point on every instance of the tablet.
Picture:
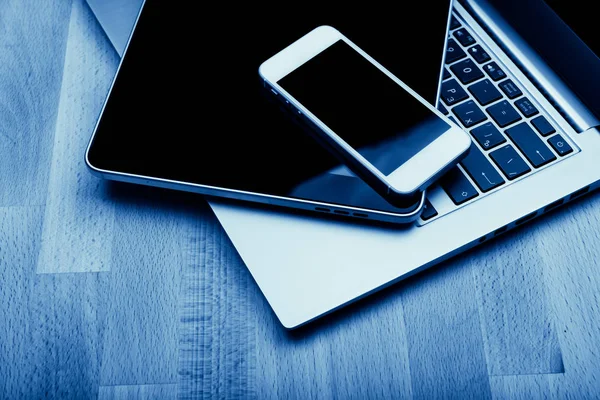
(187, 109)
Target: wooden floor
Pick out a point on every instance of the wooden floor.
(112, 291)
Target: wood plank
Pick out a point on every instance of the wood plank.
(51, 325)
(32, 49)
(66, 327)
(422, 338)
(569, 250)
(369, 350)
(294, 365)
(446, 351)
(232, 345)
(526, 387)
(217, 356)
(151, 230)
(138, 392)
(518, 330)
(20, 231)
(78, 222)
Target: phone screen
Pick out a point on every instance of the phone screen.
(362, 105)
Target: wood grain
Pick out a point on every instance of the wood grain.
(138, 392)
(372, 342)
(78, 222)
(151, 232)
(51, 325)
(526, 387)
(66, 323)
(33, 37)
(518, 330)
(569, 249)
(161, 305)
(20, 231)
(217, 345)
(446, 351)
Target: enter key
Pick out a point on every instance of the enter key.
(481, 170)
(530, 145)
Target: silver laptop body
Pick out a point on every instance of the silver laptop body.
(307, 267)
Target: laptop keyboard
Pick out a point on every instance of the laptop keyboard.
(512, 136)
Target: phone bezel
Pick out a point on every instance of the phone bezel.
(417, 172)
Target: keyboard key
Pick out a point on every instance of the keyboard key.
(442, 109)
(560, 145)
(467, 71)
(526, 108)
(485, 92)
(452, 92)
(469, 113)
(494, 71)
(454, 52)
(503, 113)
(542, 125)
(479, 54)
(481, 170)
(428, 211)
(530, 144)
(464, 37)
(458, 187)
(454, 23)
(488, 136)
(446, 74)
(511, 90)
(510, 162)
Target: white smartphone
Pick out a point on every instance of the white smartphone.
(384, 131)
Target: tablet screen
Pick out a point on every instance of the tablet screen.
(188, 104)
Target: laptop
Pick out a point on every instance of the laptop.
(530, 103)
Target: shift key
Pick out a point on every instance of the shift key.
(458, 187)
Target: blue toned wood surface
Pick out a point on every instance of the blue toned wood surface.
(115, 291)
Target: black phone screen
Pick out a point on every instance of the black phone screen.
(188, 104)
(363, 106)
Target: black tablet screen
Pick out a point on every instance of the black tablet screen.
(188, 104)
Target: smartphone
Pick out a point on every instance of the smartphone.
(385, 132)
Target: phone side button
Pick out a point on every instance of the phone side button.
(458, 187)
(428, 211)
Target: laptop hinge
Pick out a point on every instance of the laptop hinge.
(568, 104)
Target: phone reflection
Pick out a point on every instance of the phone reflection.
(338, 185)
(387, 155)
